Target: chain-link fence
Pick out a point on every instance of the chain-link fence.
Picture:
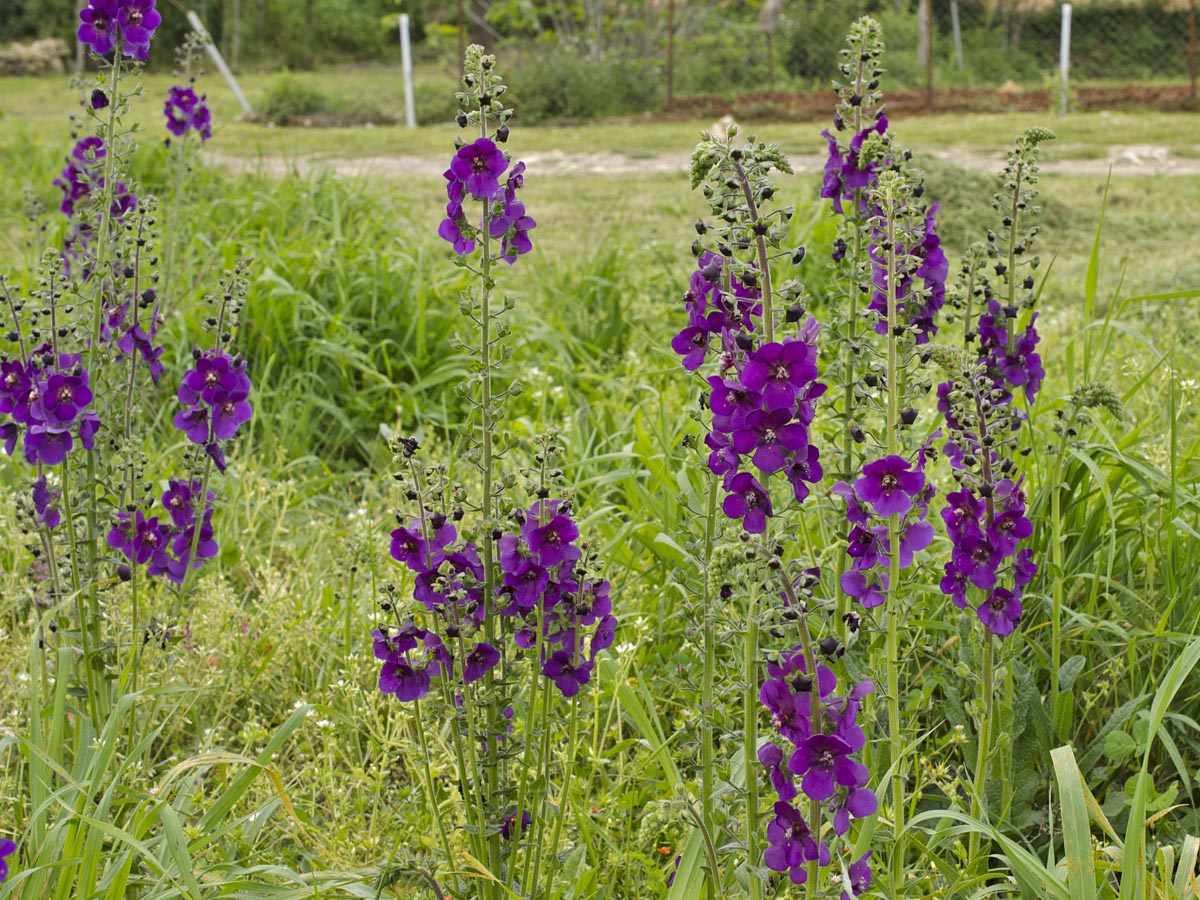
(975, 44)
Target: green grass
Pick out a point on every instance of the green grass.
(348, 325)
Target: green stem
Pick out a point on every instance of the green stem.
(895, 738)
(1057, 561)
(429, 791)
(750, 742)
(565, 796)
(764, 262)
(978, 800)
(707, 748)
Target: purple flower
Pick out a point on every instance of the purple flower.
(792, 844)
(44, 504)
(860, 877)
(479, 166)
(481, 660)
(823, 760)
(889, 485)
(869, 592)
(749, 502)
(46, 445)
(137, 537)
(803, 470)
(1000, 612)
(7, 849)
(187, 112)
(771, 758)
(779, 371)
(506, 827)
(858, 803)
(129, 24)
(566, 674)
(63, 398)
(768, 435)
(99, 99)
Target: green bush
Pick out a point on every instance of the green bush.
(558, 83)
(289, 99)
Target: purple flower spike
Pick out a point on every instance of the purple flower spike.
(889, 485)
(479, 166)
(480, 661)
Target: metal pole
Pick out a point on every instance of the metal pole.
(462, 41)
(1064, 54)
(957, 29)
(1192, 45)
(927, 26)
(410, 110)
(670, 52)
(215, 55)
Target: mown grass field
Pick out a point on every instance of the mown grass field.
(348, 326)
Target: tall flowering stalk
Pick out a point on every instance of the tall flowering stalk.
(112, 523)
(892, 270)
(753, 334)
(996, 376)
(508, 610)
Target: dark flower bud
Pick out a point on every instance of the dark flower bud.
(798, 256)
(726, 591)
(196, 353)
(744, 342)
(760, 228)
(461, 119)
(1028, 283)
(919, 190)
(839, 250)
(452, 630)
(855, 100)
(908, 416)
(696, 248)
(457, 515)
(839, 123)
(767, 193)
(701, 228)
(829, 645)
(123, 572)
(749, 279)
(871, 379)
(543, 493)
(437, 520)
(986, 490)
(802, 684)
(852, 621)
(857, 434)
(485, 99)
(795, 313)
(502, 134)
(497, 534)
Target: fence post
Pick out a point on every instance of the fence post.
(219, 61)
(956, 27)
(926, 9)
(1192, 47)
(410, 111)
(1064, 55)
(670, 52)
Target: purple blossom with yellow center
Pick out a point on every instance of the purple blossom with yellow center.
(889, 485)
(478, 166)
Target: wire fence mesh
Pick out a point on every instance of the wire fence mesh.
(975, 43)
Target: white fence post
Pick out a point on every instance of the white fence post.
(219, 61)
(1064, 54)
(410, 111)
(957, 30)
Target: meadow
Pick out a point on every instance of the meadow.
(282, 769)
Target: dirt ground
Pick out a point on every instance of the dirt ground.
(1122, 159)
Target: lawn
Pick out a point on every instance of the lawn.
(349, 331)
